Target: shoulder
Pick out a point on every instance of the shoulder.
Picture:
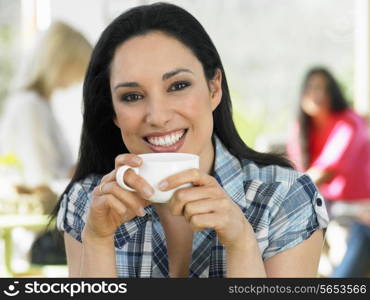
(277, 190)
(271, 184)
(278, 182)
(269, 173)
(284, 207)
(263, 190)
(349, 129)
(77, 197)
(79, 190)
(25, 97)
(25, 103)
(350, 118)
(74, 205)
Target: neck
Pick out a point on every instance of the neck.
(206, 158)
(320, 120)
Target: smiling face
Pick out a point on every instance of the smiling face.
(161, 98)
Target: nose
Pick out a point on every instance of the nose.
(159, 112)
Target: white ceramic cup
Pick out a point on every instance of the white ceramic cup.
(158, 166)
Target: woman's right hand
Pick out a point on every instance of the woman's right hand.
(111, 205)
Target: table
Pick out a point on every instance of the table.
(8, 223)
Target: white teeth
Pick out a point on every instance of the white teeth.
(167, 140)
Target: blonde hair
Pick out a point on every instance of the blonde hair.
(61, 59)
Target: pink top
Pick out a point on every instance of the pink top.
(342, 147)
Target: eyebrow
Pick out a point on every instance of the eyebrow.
(170, 74)
(165, 76)
(126, 84)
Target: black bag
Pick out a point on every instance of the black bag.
(48, 249)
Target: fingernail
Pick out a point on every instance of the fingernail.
(163, 184)
(137, 160)
(148, 192)
(142, 212)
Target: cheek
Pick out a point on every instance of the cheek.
(308, 106)
(309, 101)
(198, 105)
(127, 120)
(198, 111)
(326, 102)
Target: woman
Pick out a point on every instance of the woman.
(155, 71)
(331, 141)
(29, 128)
(332, 145)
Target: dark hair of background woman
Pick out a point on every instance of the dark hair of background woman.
(101, 140)
(337, 103)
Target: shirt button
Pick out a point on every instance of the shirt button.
(318, 202)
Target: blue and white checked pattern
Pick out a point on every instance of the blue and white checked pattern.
(279, 203)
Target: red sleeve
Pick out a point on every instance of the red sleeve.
(336, 151)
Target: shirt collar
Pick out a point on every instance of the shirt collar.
(229, 173)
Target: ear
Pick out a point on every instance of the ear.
(115, 121)
(215, 86)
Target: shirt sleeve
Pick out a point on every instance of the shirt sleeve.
(73, 209)
(296, 218)
(334, 155)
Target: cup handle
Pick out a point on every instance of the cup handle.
(119, 177)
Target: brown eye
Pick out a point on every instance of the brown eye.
(180, 85)
(131, 97)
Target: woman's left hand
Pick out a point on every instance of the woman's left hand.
(206, 205)
(364, 217)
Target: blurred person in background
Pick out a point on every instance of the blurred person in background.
(29, 127)
(331, 143)
(356, 261)
(30, 131)
(66, 102)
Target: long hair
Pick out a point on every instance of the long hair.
(101, 140)
(337, 104)
(61, 58)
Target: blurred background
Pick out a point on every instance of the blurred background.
(267, 47)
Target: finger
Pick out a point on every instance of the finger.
(111, 176)
(105, 179)
(129, 199)
(204, 221)
(138, 183)
(129, 159)
(116, 205)
(183, 196)
(197, 207)
(193, 176)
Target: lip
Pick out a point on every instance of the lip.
(173, 148)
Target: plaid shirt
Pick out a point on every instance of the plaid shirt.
(282, 205)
